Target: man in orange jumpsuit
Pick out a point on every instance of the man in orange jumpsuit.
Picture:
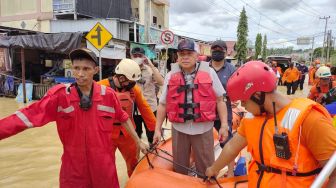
(323, 86)
(84, 113)
(291, 78)
(311, 74)
(289, 140)
(128, 93)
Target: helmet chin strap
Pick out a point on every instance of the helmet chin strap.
(128, 87)
(120, 82)
(260, 102)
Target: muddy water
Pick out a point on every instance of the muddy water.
(32, 158)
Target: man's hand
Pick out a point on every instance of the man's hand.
(143, 147)
(148, 62)
(157, 136)
(223, 133)
(210, 172)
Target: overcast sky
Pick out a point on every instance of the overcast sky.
(281, 20)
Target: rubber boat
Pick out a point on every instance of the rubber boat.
(156, 170)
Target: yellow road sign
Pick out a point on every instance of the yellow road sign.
(99, 36)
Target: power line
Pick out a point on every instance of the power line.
(310, 7)
(217, 36)
(299, 10)
(256, 22)
(267, 16)
(227, 10)
(305, 8)
(291, 40)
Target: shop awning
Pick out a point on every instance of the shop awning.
(56, 42)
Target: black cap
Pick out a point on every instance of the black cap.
(83, 53)
(187, 44)
(219, 43)
(138, 50)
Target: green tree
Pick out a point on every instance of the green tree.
(317, 53)
(258, 45)
(264, 50)
(242, 32)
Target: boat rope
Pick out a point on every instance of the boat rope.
(153, 151)
(240, 114)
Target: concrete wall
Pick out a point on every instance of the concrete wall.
(118, 29)
(26, 14)
(161, 12)
(158, 8)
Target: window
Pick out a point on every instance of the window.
(154, 20)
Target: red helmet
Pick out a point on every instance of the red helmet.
(254, 76)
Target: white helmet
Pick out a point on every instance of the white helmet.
(129, 68)
(323, 72)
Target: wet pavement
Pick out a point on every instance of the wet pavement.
(32, 158)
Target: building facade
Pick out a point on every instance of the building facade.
(26, 14)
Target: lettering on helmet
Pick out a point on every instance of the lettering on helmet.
(248, 86)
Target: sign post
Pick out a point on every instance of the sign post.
(167, 37)
(99, 36)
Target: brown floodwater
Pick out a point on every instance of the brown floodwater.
(32, 158)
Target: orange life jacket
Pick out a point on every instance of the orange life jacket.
(266, 169)
(203, 96)
(311, 80)
(318, 91)
(126, 99)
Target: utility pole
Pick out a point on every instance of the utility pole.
(312, 52)
(147, 20)
(328, 45)
(325, 31)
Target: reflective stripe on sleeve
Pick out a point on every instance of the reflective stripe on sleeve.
(103, 90)
(65, 110)
(24, 118)
(105, 108)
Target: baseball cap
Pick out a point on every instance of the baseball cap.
(219, 43)
(83, 53)
(187, 44)
(138, 50)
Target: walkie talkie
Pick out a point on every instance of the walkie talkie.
(281, 143)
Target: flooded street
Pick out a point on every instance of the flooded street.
(32, 158)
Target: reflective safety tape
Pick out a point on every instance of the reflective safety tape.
(290, 118)
(103, 90)
(105, 108)
(65, 110)
(24, 118)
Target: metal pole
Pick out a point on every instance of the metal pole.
(325, 30)
(165, 64)
(100, 67)
(147, 20)
(135, 31)
(75, 9)
(312, 54)
(23, 73)
(328, 45)
(326, 171)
